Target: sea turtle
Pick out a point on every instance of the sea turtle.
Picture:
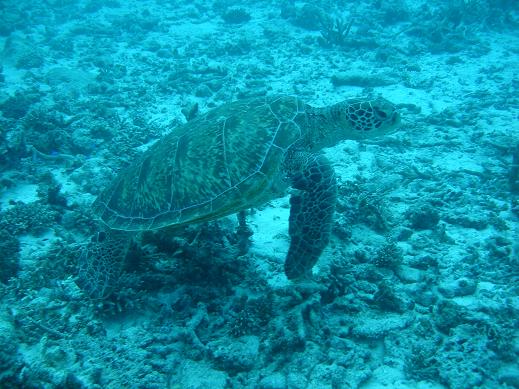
(239, 156)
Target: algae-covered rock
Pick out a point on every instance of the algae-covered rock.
(378, 327)
(424, 217)
(198, 375)
(509, 375)
(309, 17)
(449, 315)
(273, 381)
(235, 355)
(457, 288)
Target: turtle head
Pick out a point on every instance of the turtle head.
(360, 119)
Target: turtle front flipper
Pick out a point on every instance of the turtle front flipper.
(311, 212)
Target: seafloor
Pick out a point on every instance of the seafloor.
(419, 286)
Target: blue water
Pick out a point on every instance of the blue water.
(418, 279)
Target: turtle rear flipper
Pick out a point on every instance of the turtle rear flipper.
(101, 262)
(311, 214)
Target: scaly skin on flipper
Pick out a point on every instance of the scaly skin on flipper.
(311, 214)
(239, 156)
(101, 263)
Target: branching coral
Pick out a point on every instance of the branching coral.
(359, 205)
(25, 218)
(253, 315)
(334, 31)
(389, 255)
(10, 363)
(9, 249)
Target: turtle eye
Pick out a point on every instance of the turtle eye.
(380, 114)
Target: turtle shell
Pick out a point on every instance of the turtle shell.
(220, 163)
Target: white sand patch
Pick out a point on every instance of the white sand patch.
(26, 193)
(386, 377)
(34, 247)
(458, 161)
(190, 30)
(270, 226)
